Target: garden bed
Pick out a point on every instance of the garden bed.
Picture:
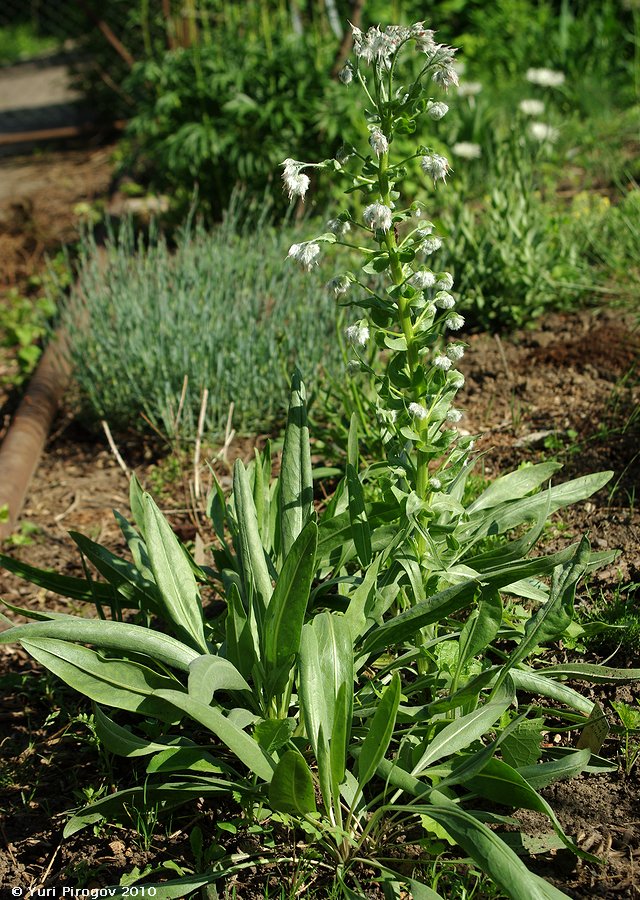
(563, 390)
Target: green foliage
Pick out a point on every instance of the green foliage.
(221, 310)
(514, 257)
(22, 41)
(23, 323)
(309, 710)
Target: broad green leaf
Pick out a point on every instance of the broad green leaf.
(500, 783)
(137, 547)
(490, 853)
(376, 742)
(285, 614)
(125, 577)
(326, 666)
(451, 599)
(514, 486)
(360, 530)
(509, 515)
(554, 616)
(291, 788)
(460, 734)
(174, 577)
(64, 585)
(272, 734)
(183, 759)
(112, 682)
(522, 747)
(254, 570)
(209, 673)
(171, 795)
(108, 635)
(591, 673)
(240, 642)
(296, 482)
(136, 502)
(534, 683)
(361, 600)
(238, 741)
(120, 740)
(540, 775)
(480, 628)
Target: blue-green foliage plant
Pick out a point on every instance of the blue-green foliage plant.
(221, 309)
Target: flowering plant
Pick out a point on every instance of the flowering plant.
(305, 680)
(409, 315)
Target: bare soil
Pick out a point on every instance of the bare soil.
(567, 389)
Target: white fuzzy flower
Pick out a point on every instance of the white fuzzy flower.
(540, 131)
(444, 300)
(445, 281)
(545, 77)
(346, 74)
(423, 38)
(455, 352)
(445, 74)
(423, 279)
(305, 253)
(456, 379)
(442, 362)
(467, 150)
(337, 226)
(378, 142)
(454, 415)
(469, 88)
(430, 245)
(436, 166)
(424, 231)
(296, 183)
(435, 483)
(339, 285)
(417, 410)
(454, 322)
(377, 216)
(531, 107)
(358, 335)
(437, 110)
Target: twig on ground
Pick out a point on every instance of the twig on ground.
(114, 449)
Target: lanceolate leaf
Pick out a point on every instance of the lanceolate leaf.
(514, 486)
(451, 599)
(500, 783)
(108, 635)
(460, 734)
(112, 682)
(209, 673)
(291, 789)
(543, 774)
(120, 741)
(380, 731)
(254, 570)
(360, 530)
(296, 481)
(514, 512)
(592, 673)
(124, 576)
(285, 614)
(64, 585)
(174, 576)
(554, 616)
(481, 627)
(491, 854)
(238, 741)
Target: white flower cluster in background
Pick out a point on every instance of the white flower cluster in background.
(545, 77)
